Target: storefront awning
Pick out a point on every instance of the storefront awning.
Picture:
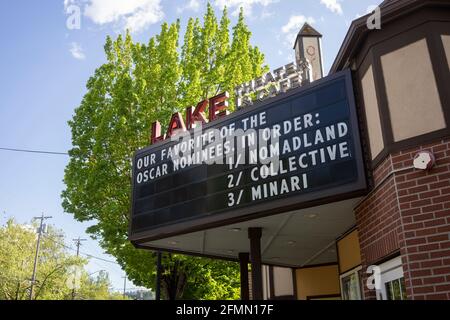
(292, 239)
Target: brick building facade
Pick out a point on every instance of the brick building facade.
(402, 76)
(408, 213)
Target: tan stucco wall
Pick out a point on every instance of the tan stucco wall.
(315, 60)
(413, 98)
(446, 42)
(317, 281)
(349, 252)
(372, 113)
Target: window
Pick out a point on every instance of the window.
(351, 285)
(396, 290)
(392, 281)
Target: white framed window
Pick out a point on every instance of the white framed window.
(392, 281)
(351, 284)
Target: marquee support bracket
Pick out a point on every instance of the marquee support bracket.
(243, 262)
(254, 234)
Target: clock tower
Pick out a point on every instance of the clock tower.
(308, 46)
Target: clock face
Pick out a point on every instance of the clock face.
(311, 51)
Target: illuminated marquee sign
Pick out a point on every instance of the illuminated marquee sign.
(296, 150)
(267, 86)
(217, 107)
(271, 84)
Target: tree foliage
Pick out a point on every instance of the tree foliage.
(55, 267)
(96, 288)
(139, 84)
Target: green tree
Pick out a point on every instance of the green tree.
(17, 251)
(139, 84)
(55, 268)
(96, 288)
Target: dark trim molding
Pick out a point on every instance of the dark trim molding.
(283, 298)
(346, 233)
(428, 23)
(294, 281)
(325, 296)
(358, 30)
(271, 283)
(424, 31)
(319, 265)
(439, 63)
(193, 254)
(254, 234)
(338, 257)
(362, 118)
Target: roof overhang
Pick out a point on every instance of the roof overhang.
(293, 239)
(358, 31)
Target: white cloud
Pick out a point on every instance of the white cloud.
(293, 26)
(193, 5)
(246, 4)
(296, 22)
(135, 15)
(77, 51)
(333, 5)
(267, 14)
(69, 2)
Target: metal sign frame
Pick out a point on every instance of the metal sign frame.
(276, 206)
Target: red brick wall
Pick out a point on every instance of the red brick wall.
(409, 212)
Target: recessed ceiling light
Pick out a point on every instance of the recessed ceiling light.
(311, 216)
(235, 229)
(291, 243)
(173, 243)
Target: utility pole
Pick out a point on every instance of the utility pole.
(33, 277)
(78, 244)
(124, 286)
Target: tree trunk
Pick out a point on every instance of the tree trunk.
(174, 282)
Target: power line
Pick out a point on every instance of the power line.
(81, 252)
(98, 258)
(132, 289)
(78, 244)
(49, 237)
(35, 151)
(110, 269)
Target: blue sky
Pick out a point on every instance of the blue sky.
(44, 66)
